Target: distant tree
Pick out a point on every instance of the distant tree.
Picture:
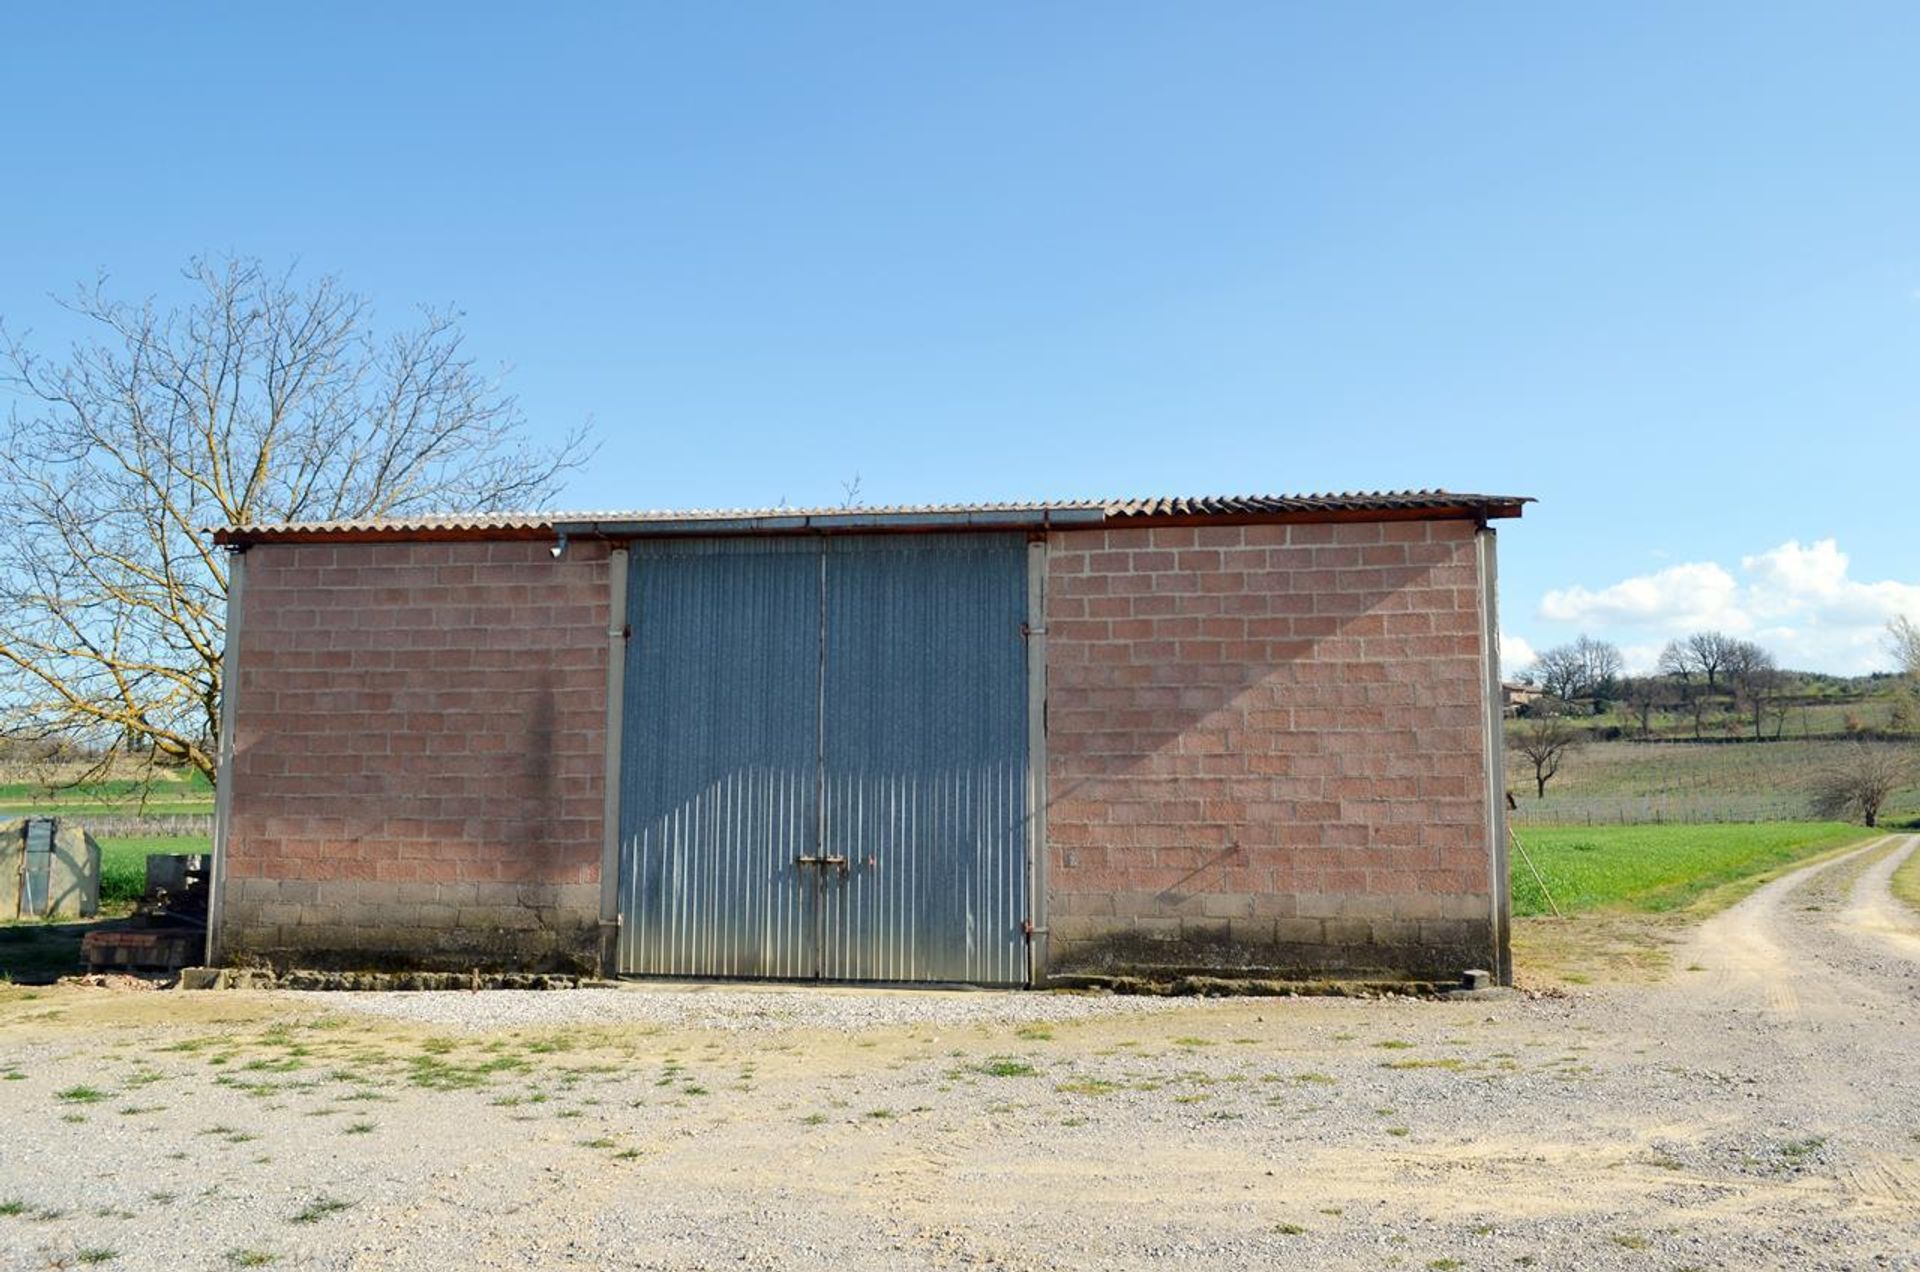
(1858, 786)
(259, 400)
(1903, 638)
(1903, 635)
(1644, 695)
(1586, 669)
(1701, 654)
(1755, 679)
(1546, 739)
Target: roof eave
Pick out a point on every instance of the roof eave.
(1436, 506)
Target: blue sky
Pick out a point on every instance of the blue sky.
(1658, 266)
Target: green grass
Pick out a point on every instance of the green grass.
(81, 1095)
(1906, 881)
(319, 1209)
(169, 785)
(1649, 869)
(123, 863)
(1004, 1067)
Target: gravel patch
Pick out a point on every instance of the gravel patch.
(1758, 1109)
(740, 1010)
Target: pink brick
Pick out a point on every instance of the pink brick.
(1308, 694)
(388, 711)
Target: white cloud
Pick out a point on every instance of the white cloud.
(1798, 600)
(1695, 595)
(1516, 655)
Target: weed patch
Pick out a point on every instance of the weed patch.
(81, 1095)
(320, 1208)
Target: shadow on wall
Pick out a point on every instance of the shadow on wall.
(537, 776)
(1279, 712)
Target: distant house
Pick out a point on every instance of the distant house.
(1516, 696)
(991, 743)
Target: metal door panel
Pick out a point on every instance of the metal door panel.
(36, 869)
(719, 767)
(925, 756)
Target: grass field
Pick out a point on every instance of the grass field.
(1906, 881)
(169, 792)
(123, 865)
(1634, 782)
(1652, 869)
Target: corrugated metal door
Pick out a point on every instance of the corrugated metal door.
(36, 868)
(925, 742)
(825, 759)
(720, 757)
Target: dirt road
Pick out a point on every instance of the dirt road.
(1758, 1108)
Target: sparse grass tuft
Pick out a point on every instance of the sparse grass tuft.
(81, 1095)
(319, 1208)
(1004, 1067)
(95, 1254)
(243, 1258)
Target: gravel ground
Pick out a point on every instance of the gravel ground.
(1758, 1109)
(739, 1010)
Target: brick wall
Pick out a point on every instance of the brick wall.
(418, 763)
(1265, 749)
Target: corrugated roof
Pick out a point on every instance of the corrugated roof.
(1058, 512)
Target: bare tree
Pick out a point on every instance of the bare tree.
(1585, 669)
(260, 400)
(1858, 786)
(1644, 695)
(1755, 679)
(1545, 740)
(1701, 654)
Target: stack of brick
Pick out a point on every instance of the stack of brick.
(418, 772)
(1264, 749)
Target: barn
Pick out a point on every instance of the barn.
(991, 744)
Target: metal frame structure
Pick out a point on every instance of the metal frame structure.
(223, 792)
(1486, 559)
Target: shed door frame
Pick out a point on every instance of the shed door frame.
(619, 637)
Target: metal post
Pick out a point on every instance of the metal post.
(1501, 903)
(1037, 759)
(616, 713)
(223, 772)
